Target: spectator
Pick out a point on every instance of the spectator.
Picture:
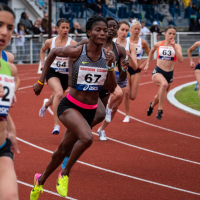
(164, 12)
(39, 20)
(36, 42)
(76, 29)
(53, 29)
(90, 4)
(144, 30)
(44, 23)
(155, 28)
(193, 27)
(98, 7)
(25, 22)
(19, 42)
(187, 3)
(112, 5)
(175, 8)
(27, 16)
(194, 7)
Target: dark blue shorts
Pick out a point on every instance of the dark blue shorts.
(168, 75)
(197, 67)
(131, 71)
(122, 84)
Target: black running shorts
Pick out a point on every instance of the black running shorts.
(6, 149)
(168, 75)
(65, 104)
(131, 71)
(62, 77)
(103, 93)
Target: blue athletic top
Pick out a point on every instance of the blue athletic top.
(199, 51)
(4, 56)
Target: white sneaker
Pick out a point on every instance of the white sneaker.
(56, 130)
(126, 119)
(102, 134)
(108, 114)
(43, 110)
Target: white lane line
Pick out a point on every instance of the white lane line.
(114, 172)
(166, 129)
(23, 79)
(47, 191)
(141, 148)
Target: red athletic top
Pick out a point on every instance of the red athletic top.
(166, 52)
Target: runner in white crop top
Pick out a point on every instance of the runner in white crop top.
(133, 74)
(60, 64)
(57, 76)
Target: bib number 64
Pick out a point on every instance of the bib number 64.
(92, 78)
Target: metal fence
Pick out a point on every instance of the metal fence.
(30, 51)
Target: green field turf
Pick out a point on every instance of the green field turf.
(189, 97)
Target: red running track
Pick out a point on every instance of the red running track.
(143, 159)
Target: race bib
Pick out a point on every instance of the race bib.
(138, 49)
(60, 65)
(166, 53)
(91, 78)
(8, 84)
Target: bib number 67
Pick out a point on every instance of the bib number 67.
(92, 78)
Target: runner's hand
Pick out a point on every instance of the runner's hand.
(146, 68)
(192, 64)
(110, 57)
(125, 64)
(37, 88)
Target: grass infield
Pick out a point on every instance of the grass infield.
(189, 97)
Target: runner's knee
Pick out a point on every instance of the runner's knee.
(87, 140)
(164, 85)
(59, 95)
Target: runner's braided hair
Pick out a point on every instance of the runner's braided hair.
(92, 20)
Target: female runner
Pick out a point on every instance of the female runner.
(134, 75)
(130, 49)
(76, 111)
(167, 54)
(192, 64)
(121, 75)
(57, 76)
(8, 72)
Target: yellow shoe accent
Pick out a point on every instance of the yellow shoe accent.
(35, 192)
(62, 185)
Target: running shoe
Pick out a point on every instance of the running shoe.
(35, 192)
(150, 110)
(108, 114)
(126, 119)
(196, 87)
(62, 185)
(102, 134)
(43, 110)
(65, 162)
(56, 130)
(159, 115)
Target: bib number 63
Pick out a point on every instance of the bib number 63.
(92, 78)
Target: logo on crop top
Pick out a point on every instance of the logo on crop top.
(91, 88)
(84, 62)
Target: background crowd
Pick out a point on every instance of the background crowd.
(170, 9)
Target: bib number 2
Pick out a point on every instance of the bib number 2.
(7, 91)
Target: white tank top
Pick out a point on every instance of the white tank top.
(60, 64)
(139, 50)
(127, 45)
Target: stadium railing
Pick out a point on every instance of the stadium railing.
(30, 51)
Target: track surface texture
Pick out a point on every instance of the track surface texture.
(144, 159)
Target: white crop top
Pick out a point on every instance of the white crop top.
(60, 64)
